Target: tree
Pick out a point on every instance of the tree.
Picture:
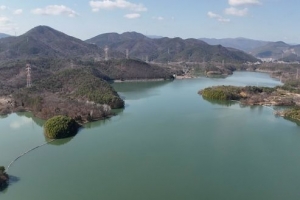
(60, 127)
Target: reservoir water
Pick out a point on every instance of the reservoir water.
(167, 144)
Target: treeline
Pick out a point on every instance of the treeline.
(233, 92)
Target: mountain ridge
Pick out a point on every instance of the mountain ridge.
(240, 43)
(278, 51)
(168, 49)
(46, 42)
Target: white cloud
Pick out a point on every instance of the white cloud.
(223, 20)
(6, 25)
(243, 2)
(4, 20)
(218, 17)
(213, 15)
(2, 7)
(236, 12)
(23, 121)
(18, 12)
(55, 10)
(120, 4)
(132, 16)
(158, 18)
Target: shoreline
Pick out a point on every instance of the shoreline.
(139, 80)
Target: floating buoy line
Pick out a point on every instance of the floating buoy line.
(23, 154)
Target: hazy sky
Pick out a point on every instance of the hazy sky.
(271, 20)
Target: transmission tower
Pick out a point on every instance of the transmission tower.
(28, 69)
(106, 52)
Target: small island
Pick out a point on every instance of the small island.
(60, 127)
(286, 95)
(3, 178)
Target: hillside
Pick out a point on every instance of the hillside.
(73, 92)
(3, 35)
(68, 76)
(45, 42)
(51, 50)
(163, 50)
(278, 51)
(76, 91)
(127, 69)
(243, 44)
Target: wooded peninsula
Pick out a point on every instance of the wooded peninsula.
(286, 95)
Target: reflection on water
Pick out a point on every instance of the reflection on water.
(29, 115)
(59, 142)
(20, 122)
(3, 116)
(12, 180)
(138, 90)
(18, 134)
(220, 102)
(96, 124)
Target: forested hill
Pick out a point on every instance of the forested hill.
(3, 35)
(65, 74)
(278, 51)
(168, 49)
(45, 42)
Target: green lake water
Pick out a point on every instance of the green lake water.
(167, 144)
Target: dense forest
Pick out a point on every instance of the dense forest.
(60, 127)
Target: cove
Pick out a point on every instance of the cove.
(168, 143)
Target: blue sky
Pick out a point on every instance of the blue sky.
(271, 20)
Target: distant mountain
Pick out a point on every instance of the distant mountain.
(243, 44)
(3, 35)
(108, 38)
(49, 51)
(168, 49)
(154, 36)
(66, 73)
(45, 42)
(278, 51)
